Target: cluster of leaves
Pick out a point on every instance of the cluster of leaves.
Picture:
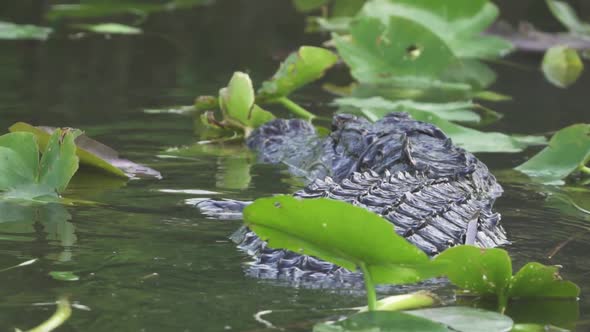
(347, 236)
(238, 101)
(27, 177)
(58, 13)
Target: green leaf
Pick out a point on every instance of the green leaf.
(470, 139)
(568, 17)
(13, 31)
(339, 233)
(562, 66)
(377, 52)
(458, 23)
(461, 319)
(19, 160)
(64, 275)
(568, 150)
(91, 153)
(110, 29)
(206, 103)
(536, 280)
(237, 104)
(346, 8)
(379, 107)
(481, 271)
(300, 68)
(59, 162)
(382, 321)
(238, 97)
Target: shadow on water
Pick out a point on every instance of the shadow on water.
(146, 260)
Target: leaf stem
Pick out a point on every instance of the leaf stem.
(584, 169)
(502, 303)
(370, 288)
(295, 109)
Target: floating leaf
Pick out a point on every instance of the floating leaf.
(91, 153)
(402, 48)
(111, 8)
(300, 68)
(110, 29)
(537, 280)
(379, 107)
(10, 30)
(59, 162)
(562, 66)
(482, 271)
(461, 319)
(24, 177)
(568, 17)
(458, 23)
(568, 151)
(340, 233)
(489, 272)
(385, 321)
(64, 276)
(470, 139)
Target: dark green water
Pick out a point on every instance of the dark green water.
(149, 262)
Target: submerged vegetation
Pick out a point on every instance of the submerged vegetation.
(427, 58)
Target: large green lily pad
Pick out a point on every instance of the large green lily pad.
(568, 151)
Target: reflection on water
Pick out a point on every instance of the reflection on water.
(48, 223)
(146, 260)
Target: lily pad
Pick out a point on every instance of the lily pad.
(340, 233)
(568, 151)
(403, 48)
(458, 23)
(470, 139)
(562, 66)
(92, 153)
(14, 31)
(461, 319)
(460, 111)
(537, 280)
(300, 68)
(488, 272)
(110, 29)
(482, 271)
(64, 275)
(383, 321)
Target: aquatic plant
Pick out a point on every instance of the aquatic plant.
(353, 237)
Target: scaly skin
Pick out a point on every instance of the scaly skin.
(436, 194)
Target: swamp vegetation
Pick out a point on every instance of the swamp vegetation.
(176, 86)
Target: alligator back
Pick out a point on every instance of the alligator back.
(436, 194)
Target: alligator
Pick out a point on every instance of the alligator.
(436, 194)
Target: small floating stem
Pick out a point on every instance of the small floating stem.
(295, 109)
(370, 287)
(410, 301)
(63, 312)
